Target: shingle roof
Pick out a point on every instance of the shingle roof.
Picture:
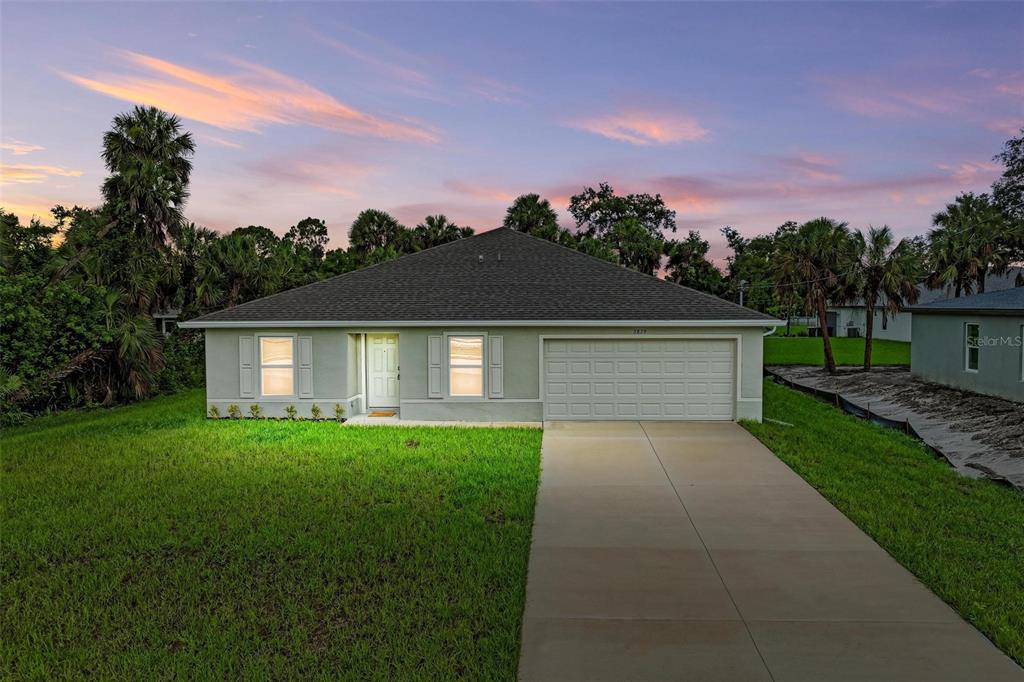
(1005, 302)
(500, 275)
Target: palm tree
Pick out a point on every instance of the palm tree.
(885, 273)
(971, 239)
(529, 213)
(818, 260)
(373, 229)
(436, 230)
(149, 160)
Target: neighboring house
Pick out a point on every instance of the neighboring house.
(851, 319)
(164, 321)
(498, 327)
(973, 342)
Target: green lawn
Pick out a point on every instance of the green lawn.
(148, 542)
(964, 538)
(847, 351)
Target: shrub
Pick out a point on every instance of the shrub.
(255, 411)
(339, 412)
(315, 411)
(214, 412)
(291, 411)
(234, 411)
(184, 362)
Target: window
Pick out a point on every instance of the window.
(277, 365)
(466, 366)
(971, 334)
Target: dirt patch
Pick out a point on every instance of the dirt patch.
(980, 435)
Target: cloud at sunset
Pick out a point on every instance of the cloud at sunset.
(644, 128)
(19, 148)
(250, 98)
(23, 173)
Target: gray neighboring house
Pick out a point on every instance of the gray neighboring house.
(501, 326)
(973, 342)
(851, 319)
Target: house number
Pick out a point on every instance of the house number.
(639, 331)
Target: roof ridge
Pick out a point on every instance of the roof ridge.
(636, 272)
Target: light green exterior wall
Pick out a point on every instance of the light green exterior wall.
(337, 368)
(938, 348)
(331, 363)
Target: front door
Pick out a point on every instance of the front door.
(382, 370)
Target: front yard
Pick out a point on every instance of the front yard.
(963, 538)
(804, 350)
(148, 542)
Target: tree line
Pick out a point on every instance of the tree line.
(78, 294)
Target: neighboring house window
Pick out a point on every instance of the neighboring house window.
(466, 366)
(971, 334)
(277, 365)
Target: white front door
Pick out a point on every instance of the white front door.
(382, 371)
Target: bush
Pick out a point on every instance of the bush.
(255, 411)
(291, 412)
(315, 411)
(339, 412)
(184, 362)
(234, 411)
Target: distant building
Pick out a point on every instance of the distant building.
(973, 342)
(165, 321)
(850, 319)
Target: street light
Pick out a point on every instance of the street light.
(743, 284)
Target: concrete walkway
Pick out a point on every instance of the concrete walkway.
(688, 551)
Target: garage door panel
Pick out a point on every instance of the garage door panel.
(639, 378)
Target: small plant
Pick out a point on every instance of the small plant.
(315, 411)
(214, 412)
(291, 412)
(255, 411)
(234, 411)
(339, 412)
(412, 443)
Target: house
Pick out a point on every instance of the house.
(501, 326)
(850, 319)
(973, 342)
(164, 321)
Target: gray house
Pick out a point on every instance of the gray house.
(974, 342)
(498, 327)
(850, 319)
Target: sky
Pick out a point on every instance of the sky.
(737, 114)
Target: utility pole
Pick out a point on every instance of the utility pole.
(743, 284)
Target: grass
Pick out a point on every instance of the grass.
(963, 538)
(148, 542)
(847, 351)
(794, 330)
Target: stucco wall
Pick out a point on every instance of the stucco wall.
(937, 353)
(330, 372)
(337, 360)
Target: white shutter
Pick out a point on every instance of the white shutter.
(305, 366)
(495, 363)
(246, 358)
(434, 356)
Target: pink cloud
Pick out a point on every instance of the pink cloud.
(478, 191)
(33, 173)
(250, 98)
(644, 128)
(319, 171)
(879, 98)
(495, 90)
(1007, 126)
(480, 218)
(812, 166)
(19, 148)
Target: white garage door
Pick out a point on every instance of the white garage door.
(639, 378)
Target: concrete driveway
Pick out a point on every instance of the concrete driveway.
(670, 551)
